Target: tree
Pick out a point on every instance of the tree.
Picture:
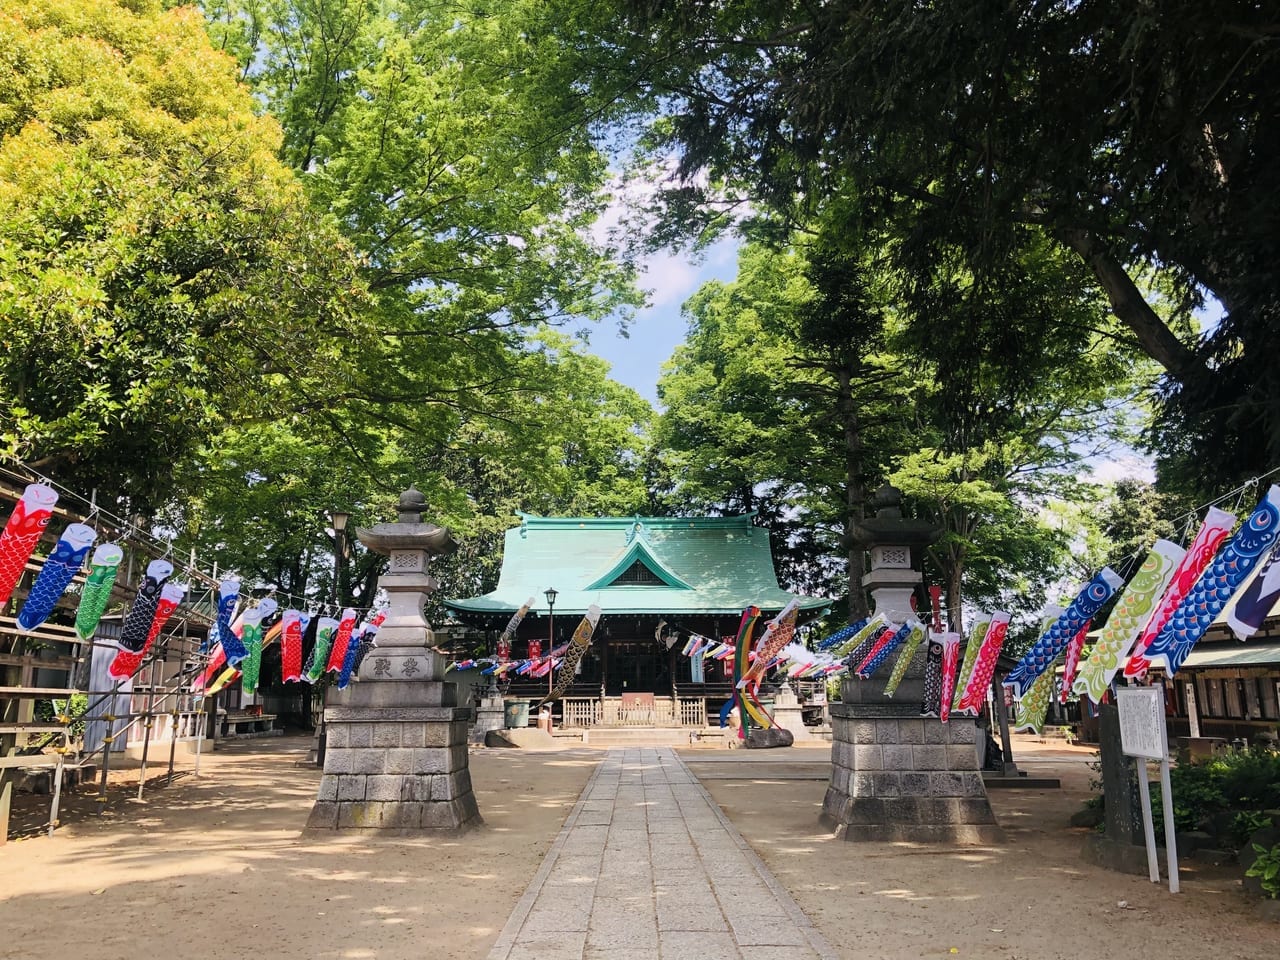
(1137, 140)
(161, 273)
(450, 142)
(779, 403)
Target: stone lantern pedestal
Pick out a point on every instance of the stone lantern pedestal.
(897, 775)
(396, 758)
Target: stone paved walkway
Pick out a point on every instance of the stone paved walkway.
(648, 866)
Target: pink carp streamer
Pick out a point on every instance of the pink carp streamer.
(1217, 524)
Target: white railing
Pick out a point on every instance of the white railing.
(611, 712)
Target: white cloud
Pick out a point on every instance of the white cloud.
(1121, 467)
(671, 277)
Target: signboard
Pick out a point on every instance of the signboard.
(1142, 724)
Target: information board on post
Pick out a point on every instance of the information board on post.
(1142, 723)
(1144, 734)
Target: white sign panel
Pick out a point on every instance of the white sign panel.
(1142, 723)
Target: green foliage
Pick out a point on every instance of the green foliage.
(1239, 780)
(161, 273)
(1267, 868)
(1246, 823)
(76, 707)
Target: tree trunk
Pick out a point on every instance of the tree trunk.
(855, 495)
(954, 570)
(1128, 304)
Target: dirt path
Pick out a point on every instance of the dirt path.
(1034, 899)
(215, 866)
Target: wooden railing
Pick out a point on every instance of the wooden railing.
(612, 712)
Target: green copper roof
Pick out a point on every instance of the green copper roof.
(689, 565)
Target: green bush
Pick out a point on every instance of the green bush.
(78, 705)
(1240, 781)
(1267, 869)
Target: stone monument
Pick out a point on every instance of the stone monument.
(895, 775)
(396, 756)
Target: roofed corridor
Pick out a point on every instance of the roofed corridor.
(648, 866)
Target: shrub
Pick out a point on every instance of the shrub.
(1267, 868)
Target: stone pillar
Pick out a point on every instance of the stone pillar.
(490, 714)
(786, 710)
(895, 775)
(396, 757)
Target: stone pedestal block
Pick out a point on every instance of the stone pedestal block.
(490, 715)
(787, 712)
(396, 753)
(897, 777)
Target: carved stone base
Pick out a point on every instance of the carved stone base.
(896, 777)
(396, 766)
(490, 715)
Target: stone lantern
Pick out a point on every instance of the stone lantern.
(897, 775)
(396, 759)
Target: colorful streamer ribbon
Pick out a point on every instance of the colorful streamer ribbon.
(977, 634)
(950, 664)
(251, 636)
(319, 656)
(342, 640)
(1133, 610)
(21, 533)
(843, 634)
(931, 701)
(96, 593)
(291, 646)
(1216, 585)
(1071, 661)
(578, 644)
(904, 659)
(855, 649)
(973, 695)
(1054, 640)
(1257, 600)
(741, 660)
(63, 563)
(884, 648)
(1217, 524)
(369, 637)
(126, 663)
(137, 625)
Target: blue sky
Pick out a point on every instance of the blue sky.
(670, 279)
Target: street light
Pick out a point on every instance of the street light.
(339, 553)
(551, 594)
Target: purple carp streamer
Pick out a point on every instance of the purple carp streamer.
(59, 567)
(1256, 601)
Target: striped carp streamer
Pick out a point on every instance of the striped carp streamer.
(509, 632)
(126, 663)
(59, 567)
(1216, 585)
(1217, 524)
(931, 700)
(137, 625)
(21, 533)
(1134, 609)
(578, 644)
(1054, 640)
(96, 593)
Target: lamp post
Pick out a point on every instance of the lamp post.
(339, 555)
(551, 594)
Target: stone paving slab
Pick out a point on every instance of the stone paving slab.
(647, 865)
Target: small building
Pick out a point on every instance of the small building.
(656, 580)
